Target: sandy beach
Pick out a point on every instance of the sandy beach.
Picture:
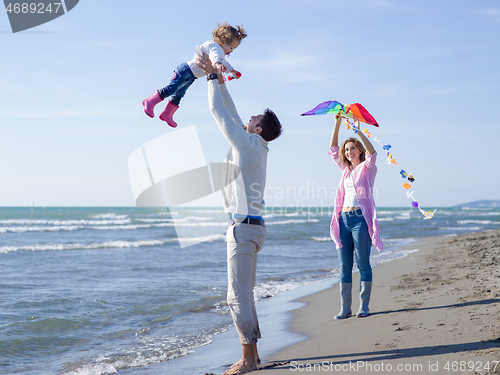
(435, 311)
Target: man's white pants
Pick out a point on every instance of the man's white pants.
(244, 241)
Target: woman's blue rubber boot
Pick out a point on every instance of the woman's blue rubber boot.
(365, 290)
(345, 301)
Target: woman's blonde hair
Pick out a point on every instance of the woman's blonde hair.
(359, 146)
(227, 33)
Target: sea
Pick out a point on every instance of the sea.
(104, 290)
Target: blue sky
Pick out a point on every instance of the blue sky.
(71, 92)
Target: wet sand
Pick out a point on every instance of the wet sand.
(436, 311)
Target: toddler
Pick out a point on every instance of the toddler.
(226, 39)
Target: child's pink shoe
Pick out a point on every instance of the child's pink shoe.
(149, 103)
(168, 113)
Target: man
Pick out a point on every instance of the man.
(244, 184)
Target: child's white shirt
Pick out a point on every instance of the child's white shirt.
(216, 54)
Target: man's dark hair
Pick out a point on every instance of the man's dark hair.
(271, 127)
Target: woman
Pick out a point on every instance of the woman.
(354, 226)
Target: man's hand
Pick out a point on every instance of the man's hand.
(205, 64)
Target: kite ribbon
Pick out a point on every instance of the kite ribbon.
(390, 160)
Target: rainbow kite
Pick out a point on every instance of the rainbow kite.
(355, 110)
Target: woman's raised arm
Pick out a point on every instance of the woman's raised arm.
(335, 135)
(366, 142)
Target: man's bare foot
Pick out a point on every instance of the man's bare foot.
(241, 367)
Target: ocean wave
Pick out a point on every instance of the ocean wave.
(298, 221)
(405, 215)
(114, 227)
(304, 212)
(110, 244)
(150, 351)
(273, 288)
(460, 228)
(398, 242)
(220, 211)
(131, 226)
(468, 213)
(321, 239)
(154, 220)
(393, 213)
(79, 246)
(485, 222)
(110, 215)
(387, 256)
(198, 219)
(176, 223)
(476, 208)
(206, 224)
(212, 238)
(79, 227)
(267, 216)
(63, 222)
(37, 229)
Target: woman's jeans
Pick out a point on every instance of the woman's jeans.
(355, 240)
(176, 89)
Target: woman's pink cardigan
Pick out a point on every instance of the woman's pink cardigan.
(363, 178)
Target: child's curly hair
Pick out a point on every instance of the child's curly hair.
(227, 33)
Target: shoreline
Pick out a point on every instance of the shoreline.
(216, 356)
(275, 316)
(431, 312)
(436, 307)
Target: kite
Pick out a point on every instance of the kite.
(357, 111)
(325, 108)
(361, 113)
